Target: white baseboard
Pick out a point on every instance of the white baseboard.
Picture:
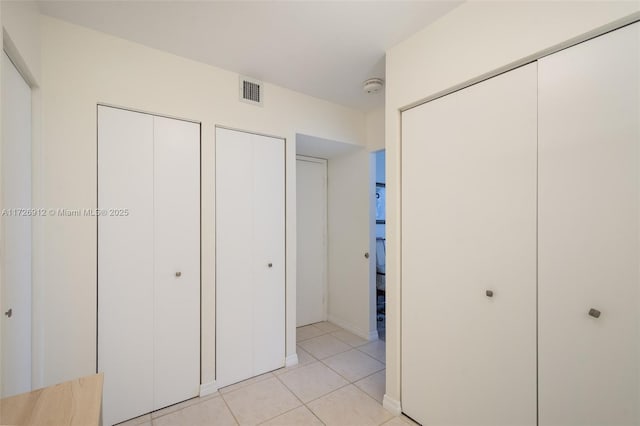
(368, 335)
(208, 388)
(392, 405)
(291, 360)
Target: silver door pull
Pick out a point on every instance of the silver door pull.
(9, 312)
(594, 313)
(178, 274)
(270, 265)
(489, 293)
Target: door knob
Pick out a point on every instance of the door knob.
(366, 254)
(9, 313)
(270, 265)
(178, 274)
(594, 313)
(489, 293)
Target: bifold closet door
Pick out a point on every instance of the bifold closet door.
(177, 261)
(148, 261)
(469, 255)
(589, 232)
(15, 193)
(250, 268)
(125, 263)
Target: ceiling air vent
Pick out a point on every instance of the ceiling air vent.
(251, 91)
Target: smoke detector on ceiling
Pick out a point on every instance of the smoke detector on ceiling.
(373, 85)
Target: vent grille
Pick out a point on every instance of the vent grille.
(251, 91)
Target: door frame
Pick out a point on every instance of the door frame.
(325, 231)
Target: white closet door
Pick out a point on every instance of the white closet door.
(311, 236)
(468, 226)
(234, 257)
(15, 372)
(249, 236)
(125, 263)
(269, 257)
(177, 260)
(589, 232)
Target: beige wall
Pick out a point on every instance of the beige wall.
(375, 129)
(82, 67)
(20, 20)
(474, 39)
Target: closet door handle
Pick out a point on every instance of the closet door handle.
(489, 293)
(270, 265)
(594, 313)
(178, 274)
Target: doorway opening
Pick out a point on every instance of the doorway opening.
(335, 268)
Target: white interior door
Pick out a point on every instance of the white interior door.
(250, 285)
(311, 226)
(177, 261)
(468, 227)
(589, 232)
(16, 230)
(269, 254)
(148, 261)
(125, 263)
(234, 257)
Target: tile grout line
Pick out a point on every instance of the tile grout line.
(265, 376)
(372, 357)
(340, 353)
(229, 408)
(349, 381)
(325, 394)
(175, 410)
(366, 377)
(328, 393)
(301, 401)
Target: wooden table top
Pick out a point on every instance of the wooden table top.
(76, 402)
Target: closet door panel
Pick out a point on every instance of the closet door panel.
(468, 226)
(234, 256)
(269, 291)
(589, 232)
(125, 263)
(177, 260)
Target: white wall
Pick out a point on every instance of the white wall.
(82, 67)
(374, 122)
(474, 39)
(349, 231)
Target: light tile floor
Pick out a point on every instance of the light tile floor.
(339, 380)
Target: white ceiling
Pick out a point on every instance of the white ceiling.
(322, 48)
